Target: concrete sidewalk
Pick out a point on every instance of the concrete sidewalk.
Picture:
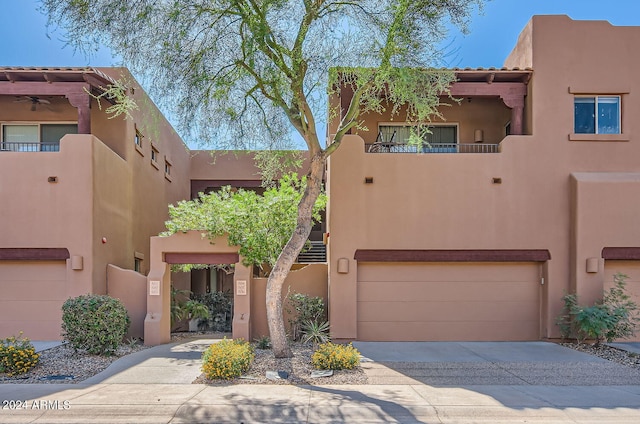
(153, 386)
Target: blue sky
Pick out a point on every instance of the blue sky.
(24, 40)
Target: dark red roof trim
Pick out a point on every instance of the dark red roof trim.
(34, 254)
(621, 253)
(390, 255)
(201, 258)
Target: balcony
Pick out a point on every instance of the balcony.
(8, 146)
(317, 252)
(432, 148)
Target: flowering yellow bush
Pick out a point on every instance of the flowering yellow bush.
(227, 359)
(331, 356)
(17, 355)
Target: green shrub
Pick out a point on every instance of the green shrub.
(227, 359)
(615, 317)
(17, 355)
(220, 306)
(330, 356)
(263, 342)
(303, 308)
(94, 323)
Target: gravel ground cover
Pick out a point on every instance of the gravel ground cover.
(64, 365)
(298, 368)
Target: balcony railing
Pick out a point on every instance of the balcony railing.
(433, 148)
(317, 252)
(8, 146)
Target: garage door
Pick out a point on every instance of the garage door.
(448, 301)
(630, 269)
(32, 297)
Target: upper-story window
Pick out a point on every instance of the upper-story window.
(138, 138)
(34, 137)
(435, 139)
(154, 154)
(597, 114)
(437, 134)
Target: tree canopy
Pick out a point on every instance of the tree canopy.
(259, 224)
(241, 74)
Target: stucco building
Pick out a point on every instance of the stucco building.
(527, 189)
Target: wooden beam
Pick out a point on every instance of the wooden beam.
(499, 89)
(26, 88)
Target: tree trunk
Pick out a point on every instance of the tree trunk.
(288, 256)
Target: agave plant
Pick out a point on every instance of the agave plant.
(315, 332)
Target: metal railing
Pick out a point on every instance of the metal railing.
(433, 148)
(317, 252)
(9, 146)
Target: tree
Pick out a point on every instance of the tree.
(242, 73)
(260, 225)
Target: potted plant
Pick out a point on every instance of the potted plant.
(195, 311)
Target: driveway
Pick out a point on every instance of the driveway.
(489, 363)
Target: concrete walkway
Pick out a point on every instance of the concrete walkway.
(153, 386)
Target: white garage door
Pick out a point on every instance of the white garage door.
(32, 296)
(448, 301)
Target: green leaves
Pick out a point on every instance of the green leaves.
(94, 323)
(259, 224)
(267, 61)
(615, 317)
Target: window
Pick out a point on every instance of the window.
(137, 262)
(439, 138)
(154, 155)
(138, 138)
(35, 137)
(597, 114)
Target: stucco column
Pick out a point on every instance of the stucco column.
(242, 301)
(82, 102)
(516, 103)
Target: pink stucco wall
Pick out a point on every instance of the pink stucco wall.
(449, 201)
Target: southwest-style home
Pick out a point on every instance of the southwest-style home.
(527, 189)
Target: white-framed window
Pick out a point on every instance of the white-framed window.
(34, 137)
(596, 114)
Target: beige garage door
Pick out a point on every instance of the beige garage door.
(632, 270)
(448, 301)
(32, 297)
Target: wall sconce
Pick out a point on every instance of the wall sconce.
(343, 266)
(478, 136)
(592, 265)
(77, 263)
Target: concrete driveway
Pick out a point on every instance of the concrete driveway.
(469, 383)
(488, 363)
